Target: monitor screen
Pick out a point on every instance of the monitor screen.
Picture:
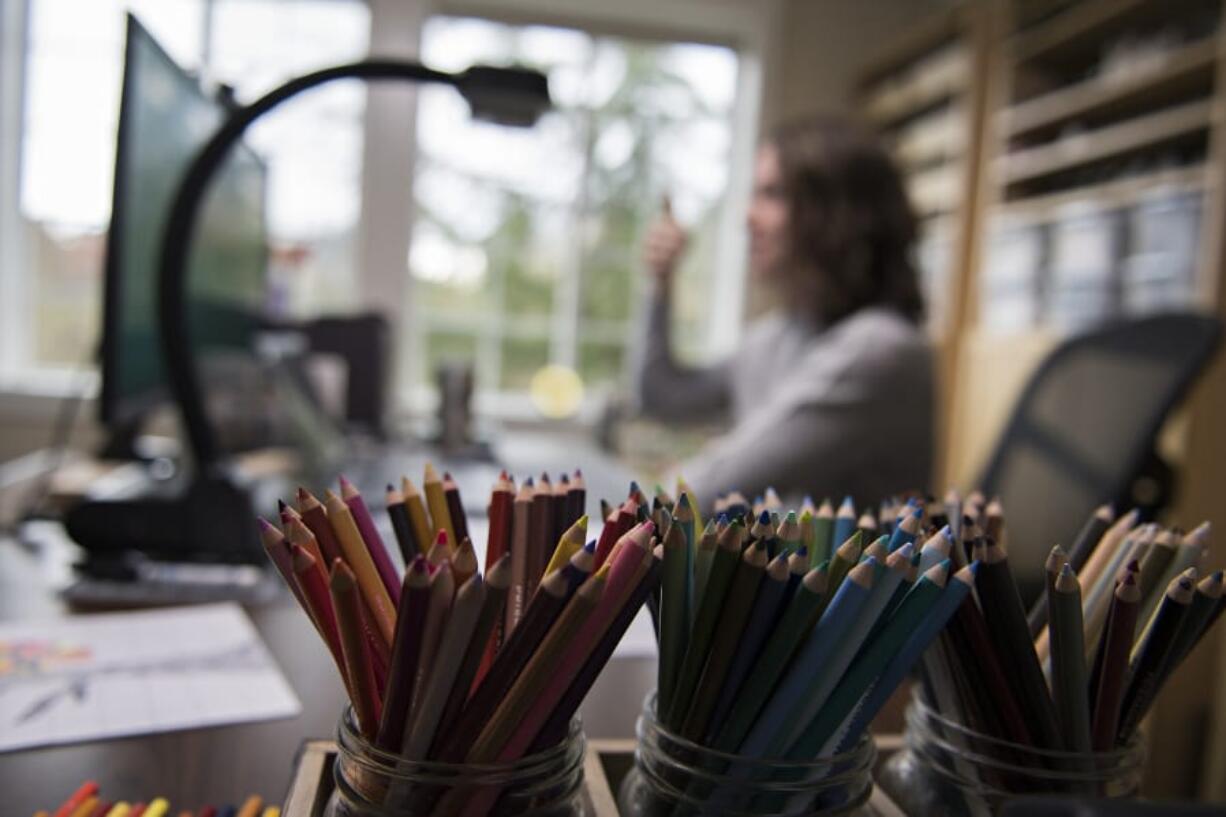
(165, 118)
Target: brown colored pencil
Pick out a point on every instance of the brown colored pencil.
(558, 724)
(497, 583)
(521, 513)
(406, 654)
(539, 616)
(315, 516)
(464, 563)
(440, 551)
(1122, 623)
(576, 498)
(540, 533)
(442, 593)
(299, 534)
(532, 678)
(1036, 620)
(347, 603)
(277, 547)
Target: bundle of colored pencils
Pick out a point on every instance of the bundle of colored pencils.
(87, 801)
(782, 634)
(444, 663)
(1121, 609)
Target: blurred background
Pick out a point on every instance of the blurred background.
(1067, 161)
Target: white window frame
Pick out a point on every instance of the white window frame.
(747, 27)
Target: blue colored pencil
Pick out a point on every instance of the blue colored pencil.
(844, 521)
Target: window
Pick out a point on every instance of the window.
(73, 66)
(525, 245)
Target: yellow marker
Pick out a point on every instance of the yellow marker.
(157, 807)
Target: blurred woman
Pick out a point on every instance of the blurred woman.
(832, 392)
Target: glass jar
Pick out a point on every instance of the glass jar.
(946, 768)
(674, 776)
(370, 782)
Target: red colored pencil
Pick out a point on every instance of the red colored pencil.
(85, 791)
(316, 518)
(315, 590)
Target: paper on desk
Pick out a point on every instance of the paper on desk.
(101, 676)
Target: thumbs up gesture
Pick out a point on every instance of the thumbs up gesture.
(664, 244)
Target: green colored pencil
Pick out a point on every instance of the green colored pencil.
(674, 613)
(798, 619)
(733, 618)
(723, 567)
(1068, 667)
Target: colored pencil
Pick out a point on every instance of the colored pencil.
(315, 517)
(442, 594)
(398, 513)
(734, 615)
(844, 520)
(1036, 619)
(1068, 682)
(406, 654)
(674, 614)
(438, 681)
(251, 806)
(358, 558)
(568, 544)
(436, 503)
(523, 641)
(373, 541)
(723, 567)
(86, 790)
(464, 562)
(455, 507)
(823, 533)
(346, 602)
(761, 620)
(497, 583)
(419, 517)
(1150, 653)
(310, 580)
(1118, 640)
(521, 511)
(1006, 620)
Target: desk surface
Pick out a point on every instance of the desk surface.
(225, 764)
(194, 767)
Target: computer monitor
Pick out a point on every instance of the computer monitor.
(165, 118)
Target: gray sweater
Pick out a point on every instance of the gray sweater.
(845, 410)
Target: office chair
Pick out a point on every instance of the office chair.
(1085, 427)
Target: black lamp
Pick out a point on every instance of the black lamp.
(213, 520)
(509, 96)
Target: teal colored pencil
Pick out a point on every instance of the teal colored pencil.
(870, 664)
(956, 590)
(794, 693)
(905, 530)
(704, 553)
(789, 533)
(823, 682)
(844, 521)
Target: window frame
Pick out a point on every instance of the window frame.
(746, 28)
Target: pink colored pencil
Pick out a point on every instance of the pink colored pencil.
(374, 542)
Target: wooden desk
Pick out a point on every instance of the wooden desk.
(191, 768)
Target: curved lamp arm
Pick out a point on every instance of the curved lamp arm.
(514, 96)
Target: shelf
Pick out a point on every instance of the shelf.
(931, 140)
(1160, 127)
(1117, 193)
(915, 42)
(1187, 70)
(1072, 33)
(940, 77)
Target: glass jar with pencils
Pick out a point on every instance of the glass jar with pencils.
(947, 768)
(675, 776)
(370, 782)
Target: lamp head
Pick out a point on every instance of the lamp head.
(506, 96)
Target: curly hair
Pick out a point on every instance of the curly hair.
(852, 228)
